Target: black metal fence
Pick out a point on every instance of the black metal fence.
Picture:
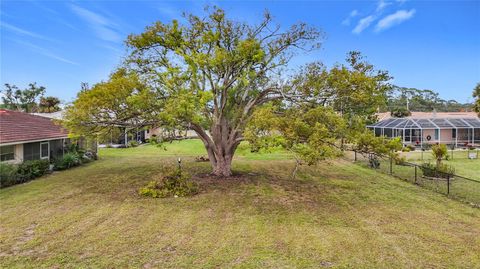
(448, 183)
(426, 155)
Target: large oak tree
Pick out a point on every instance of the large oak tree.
(226, 80)
(213, 72)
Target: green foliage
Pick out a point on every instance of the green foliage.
(400, 160)
(32, 169)
(421, 100)
(8, 175)
(367, 142)
(123, 93)
(311, 134)
(400, 112)
(208, 73)
(11, 174)
(354, 90)
(68, 160)
(173, 183)
(49, 104)
(132, 144)
(438, 171)
(22, 100)
(439, 152)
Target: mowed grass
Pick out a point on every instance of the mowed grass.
(459, 159)
(335, 215)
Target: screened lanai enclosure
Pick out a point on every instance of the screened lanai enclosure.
(458, 132)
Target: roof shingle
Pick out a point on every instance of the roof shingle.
(18, 126)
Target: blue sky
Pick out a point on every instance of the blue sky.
(423, 44)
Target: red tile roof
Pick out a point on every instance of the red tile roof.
(18, 126)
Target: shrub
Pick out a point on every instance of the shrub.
(411, 147)
(132, 144)
(442, 171)
(400, 160)
(8, 175)
(400, 113)
(32, 169)
(439, 152)
(173, 183)
(406, 149)
(68, 160)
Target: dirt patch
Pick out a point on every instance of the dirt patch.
(27, 236)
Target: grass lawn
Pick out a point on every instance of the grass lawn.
(463, 166)
(336, 215)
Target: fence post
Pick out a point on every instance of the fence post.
(391, 164)
(355, 156)
(415, 174)
(448, 184)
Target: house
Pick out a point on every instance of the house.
(451, 128)
(25, 136)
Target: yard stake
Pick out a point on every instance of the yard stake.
(391, 163)
(448, 184)
(415, 174)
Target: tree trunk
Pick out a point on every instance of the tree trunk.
(220, 146)
(223, 166)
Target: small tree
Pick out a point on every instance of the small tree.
(49, 104)
(400, 112)
(439, 152)
(22, 100)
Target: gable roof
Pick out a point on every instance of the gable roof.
(21, 127)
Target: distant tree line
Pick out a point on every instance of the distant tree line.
(402, 100)
(30, 99)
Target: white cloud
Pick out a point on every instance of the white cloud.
(381, 5)
(45, 52)
(103, 27)
(352, 14)
(394, 19)
(363, 24)
(20, 31)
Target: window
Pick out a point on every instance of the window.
(44, 150)
(437, 134)
(7, 153)
(454, 133)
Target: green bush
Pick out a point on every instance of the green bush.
(8, 175)
(132, 144)
(411, 147)
(31, 169)
(439, 152)
(400, 160)
(173, 183)
(400, 112)
(68, 160)
(441, 171)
